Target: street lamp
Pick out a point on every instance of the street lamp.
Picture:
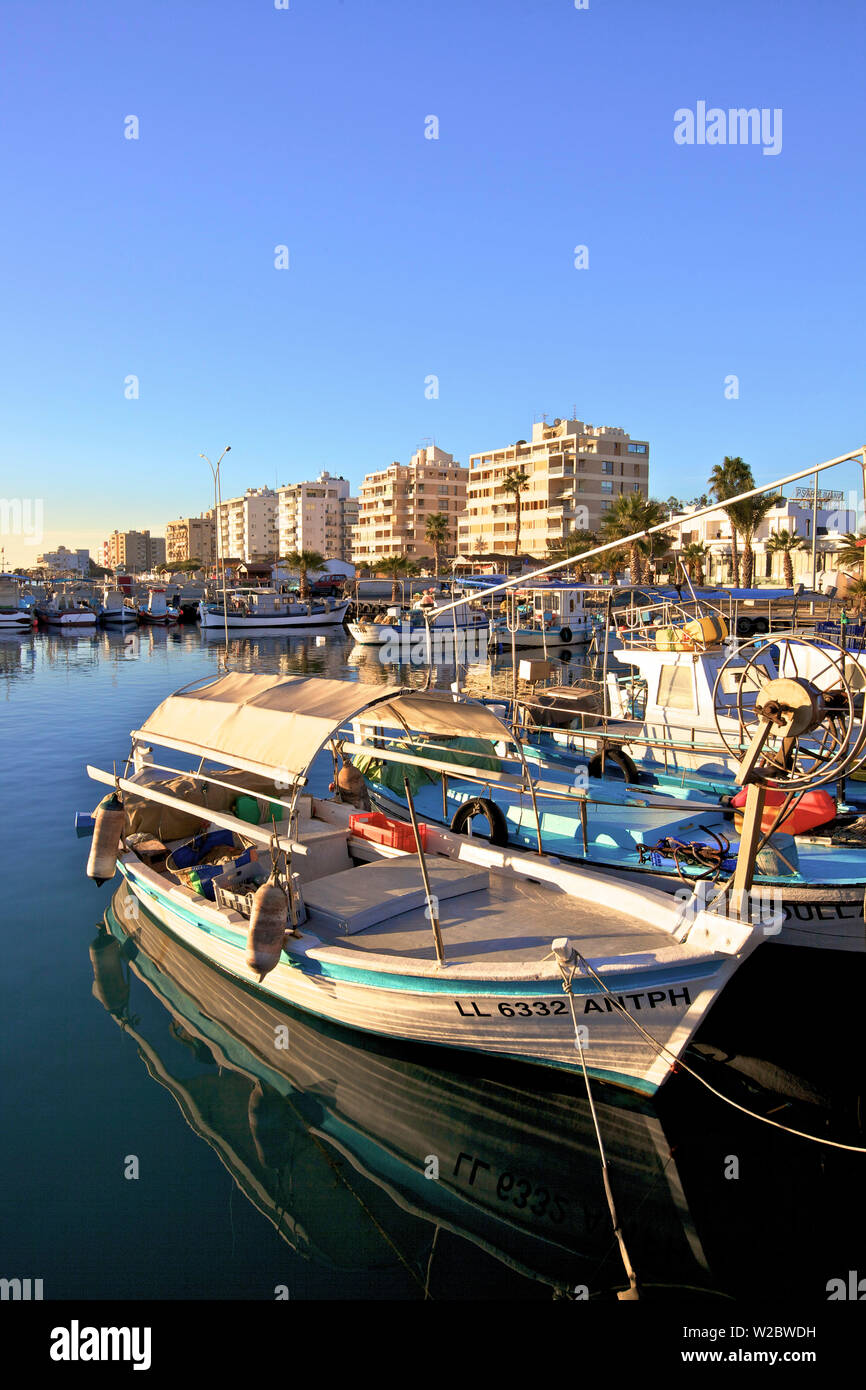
(217, 499)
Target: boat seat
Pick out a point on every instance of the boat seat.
(326, 845)
(371, 894)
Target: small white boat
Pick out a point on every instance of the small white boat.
(458, 942)
(265, 608)
(158, 610)
(546, 615)
(115, 610)
(15, 615)
(64, 610)
(406, 628)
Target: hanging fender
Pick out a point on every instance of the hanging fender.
(481, 806)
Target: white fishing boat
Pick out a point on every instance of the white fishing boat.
(157, 609)
(266, 608)
(15, 616)
(115, 610)
(398, 624)
(66, 610)
(413, 933)
(543, 615)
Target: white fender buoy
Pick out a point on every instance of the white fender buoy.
(107, 830)
(268, 921)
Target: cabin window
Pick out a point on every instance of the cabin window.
(732, 680)
(676, 689)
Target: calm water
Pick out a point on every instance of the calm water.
(312, 1175)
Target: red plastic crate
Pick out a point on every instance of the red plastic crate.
(372, 825)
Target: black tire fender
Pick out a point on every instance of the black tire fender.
(565, 634)
(597, 763)
(480, 806)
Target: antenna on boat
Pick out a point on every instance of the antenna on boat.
(221, 569)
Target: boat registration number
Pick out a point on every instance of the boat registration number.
(542, 1008)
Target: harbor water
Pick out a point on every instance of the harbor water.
(160, 1143)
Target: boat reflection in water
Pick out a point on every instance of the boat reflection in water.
(337, 1138)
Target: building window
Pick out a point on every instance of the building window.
(607, 466)
(637, 448)
(607, 487)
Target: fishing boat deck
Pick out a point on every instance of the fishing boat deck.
(505, 921)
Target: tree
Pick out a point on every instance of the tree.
(693, 557)
(746, 517)
(396, 567)
(731, 476)
(574, 544)
(850, 553)
(436, 532)
(784, 542)
(631, 513)
(515, 483)
(302, 561)
(856, 592)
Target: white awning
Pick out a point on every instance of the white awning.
(276, 725)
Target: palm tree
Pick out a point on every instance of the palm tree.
(514, 483)
(728, 478)
(631, 513)
(693, 557)
(573, 544)
(303, 560)
(856, 592)
(784, 542)
(851, 554)
(396, 567)
(436, 532)
(746, 517)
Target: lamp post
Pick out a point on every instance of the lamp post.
(217, 499)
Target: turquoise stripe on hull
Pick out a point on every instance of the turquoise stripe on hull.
(423, 984)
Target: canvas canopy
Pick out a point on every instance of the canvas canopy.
(276, 725)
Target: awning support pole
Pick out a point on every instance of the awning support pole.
(432, 904)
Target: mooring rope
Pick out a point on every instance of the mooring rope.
(677, 1064)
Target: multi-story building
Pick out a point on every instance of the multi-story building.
(248, 526)
(574, 472)
(794, 515)
(394, 504)
(134, 551)
(190, 538)
(316, 516)
(63, 561)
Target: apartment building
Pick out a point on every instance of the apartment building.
(63, 561)
(191, 538)
(574, 472)
(248, 526)
(316, 516)
(393, 506)
(136, 552)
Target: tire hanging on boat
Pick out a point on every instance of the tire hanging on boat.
(598, 762)
(565, 634)
(107, 830)
(481, 806)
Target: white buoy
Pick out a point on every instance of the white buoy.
(268, 921)
(107, 830)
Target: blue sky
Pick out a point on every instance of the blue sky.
(411, 257)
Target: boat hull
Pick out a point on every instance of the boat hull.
(526, 1018)
(264, 622)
